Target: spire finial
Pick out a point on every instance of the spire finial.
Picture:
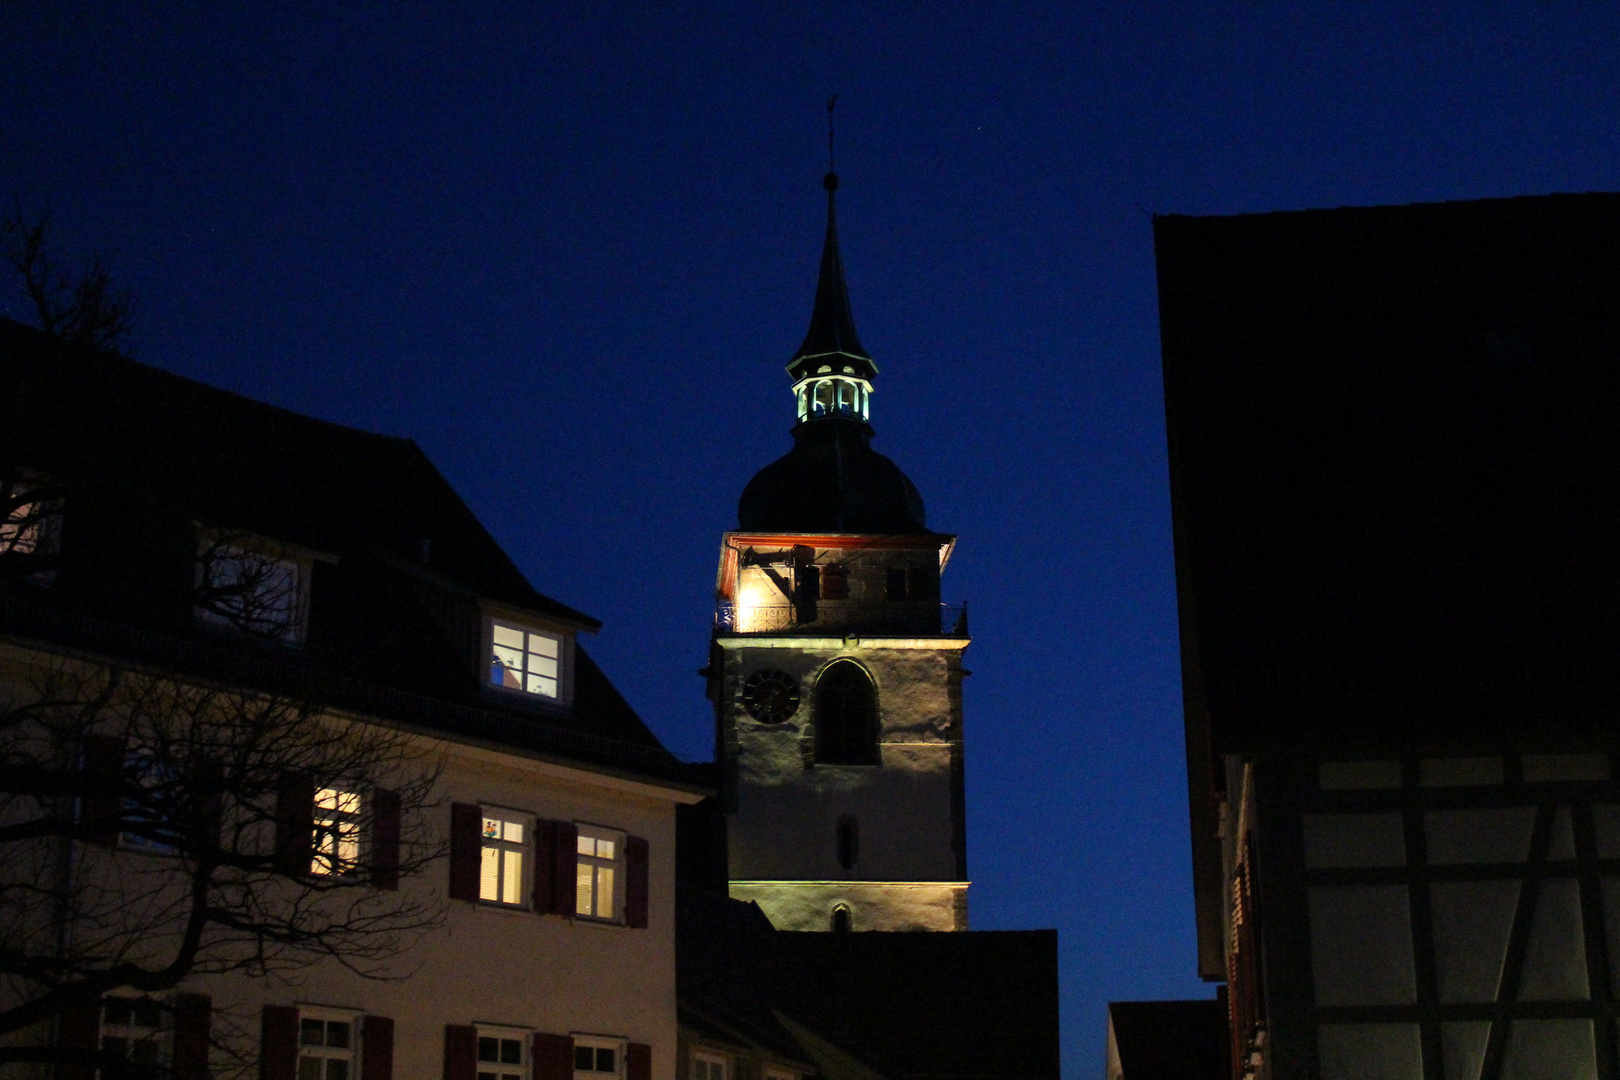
(830, 181)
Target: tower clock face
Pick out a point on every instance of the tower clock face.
(771, 696)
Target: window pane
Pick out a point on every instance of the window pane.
(1544, 768)
(604, 1060)
(1370, 1052)
(512, 832)
(327, 798)
(113, 1044)
(337, 1033)
(1479, 836)
(1338, 840)
(147, 1013)
(501, 675)
(1562, 846)
(1354, 775)
(584, 1058)
(486, 1076)
(145, 1052)
(489, 1049)
(1361, 945)
(120, 1011)
(539, 684)
(543, 665)
(1472, 920)
(312, 1032)
(1555, 964)
(604, 849)
(509, 636)
(541, 645)
(492, 829)
(582, 890)
(1460, 772)
(511, 878)
(511, 1052)
(587, 845)
(604, 892)
(1463, 1047)
(309, 1068)
(489, 881)
(1550, 1048)
(512, 658)
(337, 1069)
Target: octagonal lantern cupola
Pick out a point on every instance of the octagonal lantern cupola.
(832, 373)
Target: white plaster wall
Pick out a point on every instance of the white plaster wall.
(787, 809)
(512, 968)
(806, 905)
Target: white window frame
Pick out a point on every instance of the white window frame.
(337, 813)
(289, 624)
(518, 661)
(157, 1035)
(504, 1070)
(705, 1061)
(349, 1054)
(503, 850)
(594, 1043)
(594, 865)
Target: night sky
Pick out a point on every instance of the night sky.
(568, 249)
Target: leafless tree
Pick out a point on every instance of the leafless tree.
(154, 828)
(79, 305)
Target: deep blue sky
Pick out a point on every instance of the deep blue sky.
(568, 248)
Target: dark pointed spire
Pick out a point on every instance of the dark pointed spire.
(832, 327)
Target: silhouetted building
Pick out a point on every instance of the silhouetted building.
(1394, 459)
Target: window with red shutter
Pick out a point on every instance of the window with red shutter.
(565, 872)
(553, 1057)
(545, 868)
(295, 824)
(385, 839)
(377, 1048)
(101, 809)
(636, 884)
(466, 821)
(460, 1051)
(278, 1043)
(193, 1016)
(638, 1062)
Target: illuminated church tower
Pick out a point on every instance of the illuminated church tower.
(836, 673)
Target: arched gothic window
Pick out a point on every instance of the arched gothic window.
(846, 716)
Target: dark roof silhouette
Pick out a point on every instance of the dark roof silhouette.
(970, 1005)
(1393, 458)
(147, 457)
(1171, 1040)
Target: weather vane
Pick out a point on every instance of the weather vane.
(831, 183)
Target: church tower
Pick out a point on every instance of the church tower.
(836, 673)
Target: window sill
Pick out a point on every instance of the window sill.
(596, 924)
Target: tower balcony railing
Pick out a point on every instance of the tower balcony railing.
(895, 618)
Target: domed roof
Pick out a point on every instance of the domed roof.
(832, 481)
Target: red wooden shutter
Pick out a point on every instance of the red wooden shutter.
(78, 1028)
(377, 1048)
(553, 1057)
(278, 1043)
(103, 804)
(466, 831)
(637, 860)
(638, 1062)
(564, 875)
(385, 839)
(295, 824)
(460, 1051)
(193, 1014)
(545, 867)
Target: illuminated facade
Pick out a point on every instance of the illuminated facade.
(836, 673)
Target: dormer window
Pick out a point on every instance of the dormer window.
(253, 586)
(528, 659)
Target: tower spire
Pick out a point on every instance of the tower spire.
(831, 348)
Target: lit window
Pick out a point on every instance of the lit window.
(325, 1046)
(337, 832)
(254, 592)
(28, 525)
(525, 659)
(501, 864)
(131, 1028)
(597, 1058)
(148, 809)
(600, 851)
(501, 1054)
(708, 1066)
